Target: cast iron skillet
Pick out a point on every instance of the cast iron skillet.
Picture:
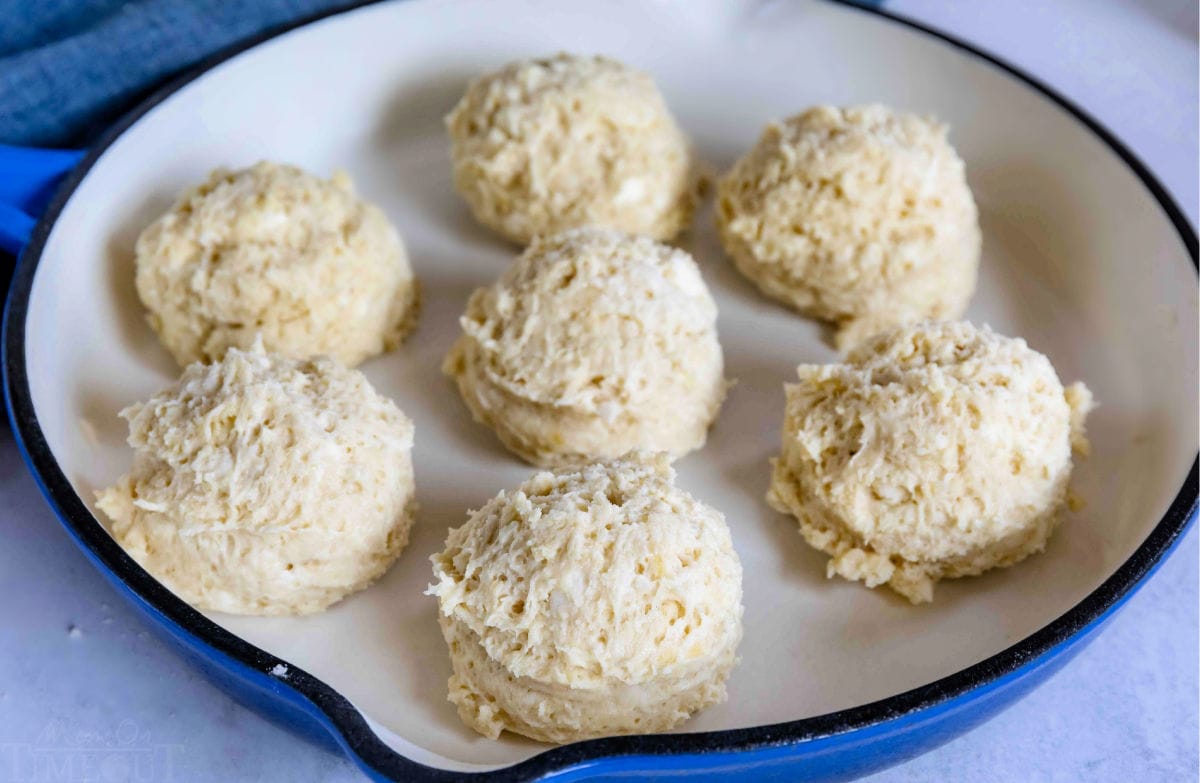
(838, 745)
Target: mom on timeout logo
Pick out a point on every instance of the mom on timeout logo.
(65, 753)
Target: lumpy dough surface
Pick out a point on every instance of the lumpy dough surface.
(589, 601)
(265, 485)
(541, 146)
(274, 252)
(936, 450)
(592, 344)
(859, 216)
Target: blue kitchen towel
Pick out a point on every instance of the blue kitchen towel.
(68, 68)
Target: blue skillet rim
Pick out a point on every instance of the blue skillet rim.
(243, 660)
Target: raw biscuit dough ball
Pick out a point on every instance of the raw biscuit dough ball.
(274, 251)
(592, 344)
(859, 216)
(541, 146)
(265, 485)
(937, 450)
(590, 601)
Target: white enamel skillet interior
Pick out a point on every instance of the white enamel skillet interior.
(1084, 256)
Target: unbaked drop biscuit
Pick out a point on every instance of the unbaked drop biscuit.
(273, 252)
(859, 216)
(593, 343)
(265, 485)
(589, 601)
(936, 451)
(545, 145)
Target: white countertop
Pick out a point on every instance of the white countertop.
(80, 675)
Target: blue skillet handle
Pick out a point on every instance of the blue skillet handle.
(28, 177)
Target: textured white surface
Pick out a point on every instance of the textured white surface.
(78, 672)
